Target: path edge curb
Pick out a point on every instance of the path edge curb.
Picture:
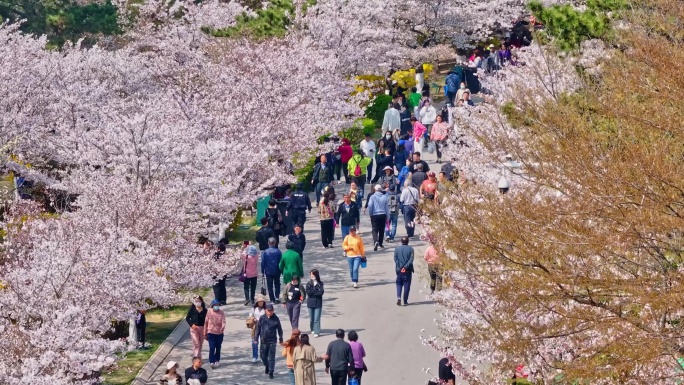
(144, 375)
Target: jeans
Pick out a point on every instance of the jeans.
(250, 285)
(358, 372)
(293, 310)
(438, 148)
(255, 348)
(268, 350)
(315, 319)
(220, 290)
(298, 217)
(319, 187)
(435, 277)
(339, 377)
(394, 218)
(291, 376)
(369, 171)
(140, 335)
(273, 281)
(450, 97)
(345, 231)
(378, 227)
(354, 263)
(215, 341)
(404, 282)
(409, 217)
(327, 232)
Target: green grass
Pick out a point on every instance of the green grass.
(160, 323)
(241, 234)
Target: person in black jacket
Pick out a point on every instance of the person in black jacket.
(340, 360)
(196, 371)
(140, 326)
(267, 328)
(275, 220)
(195, 318)
(298, 240)
(264, 233)
(314, 301)
(297, 206)
(386, 160)
(347, 215)
(321, 177)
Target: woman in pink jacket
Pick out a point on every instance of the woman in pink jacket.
(418, 134)
(250, 261)
(439, 134)
(214, 326)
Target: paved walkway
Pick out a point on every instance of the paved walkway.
(390, 333)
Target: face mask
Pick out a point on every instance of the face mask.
(313, 278)
(388, 136)
(463, 87)
(198, 304)
(216, 308)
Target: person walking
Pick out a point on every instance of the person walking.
(327, 217)
(140, 327)
(388, 177)
(290, 263)
(314, 290)
(298, 240)
(340, 359)
(445, 372)
(401, 155)
(418, 160)
(452, 82)
(275, 220)
(368, 148)
(403, 266)
(428, 188)
(293, 296)
(419, 131)
(322, 176)
(428, 114)
(297, 206)
(392, 119)
(432, 259)
(270, 268)
(250, 260)
(418, 176)
(171, 376)
(355, 252)
(305, 357)
(264, 234)
(267, 328)
(439, 135)
(359, 353)
(213, 332)
(358, 168)
(196, 374)
(347, 215)
(346, 153)
(393, 205)
(255, 314)
(379, 214)
(196, 317)
(409, 201)
(288, 352)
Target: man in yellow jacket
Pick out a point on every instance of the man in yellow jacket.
(355, 252)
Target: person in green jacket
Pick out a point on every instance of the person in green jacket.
(359, 174)
(414, 100)
(291, 263)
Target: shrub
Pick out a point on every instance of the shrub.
(376, 111)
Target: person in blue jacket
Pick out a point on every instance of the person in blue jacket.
(270, 268)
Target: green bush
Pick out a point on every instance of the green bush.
(272, 21)
(376, 110)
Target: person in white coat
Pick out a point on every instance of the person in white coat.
(428, 115)
(392, 119)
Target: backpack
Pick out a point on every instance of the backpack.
(393, 203)
(450, 172)
(274, 220)
(357, 169)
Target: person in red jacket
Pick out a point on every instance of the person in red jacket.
(346, 154)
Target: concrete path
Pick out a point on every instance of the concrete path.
(390, 333)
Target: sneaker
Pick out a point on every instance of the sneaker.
(387, 239)
(270, 375)
(376, 246)
(398, 302)
(356, 286)
(382, 247)
(315, 335)
(255, 360)
(405, 303)
(266, 371)
(216, 364)
(211, 365)
(247, 303)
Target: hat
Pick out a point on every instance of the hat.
(215, 302)
(491, 46)
(352, 228)
(269, 306)
(377, 187)
(252, 251)
(431, 173)
(401, 142)
(387, 168)
(171, 364)
(259, 298)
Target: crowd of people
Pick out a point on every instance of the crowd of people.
(385, 178)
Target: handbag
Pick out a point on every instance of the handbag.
(364, 262)
(263, 285)
(431, 147)
(243, 274)
(353, 381)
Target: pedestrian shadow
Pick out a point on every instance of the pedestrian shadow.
(426, 302)
(331, 332)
